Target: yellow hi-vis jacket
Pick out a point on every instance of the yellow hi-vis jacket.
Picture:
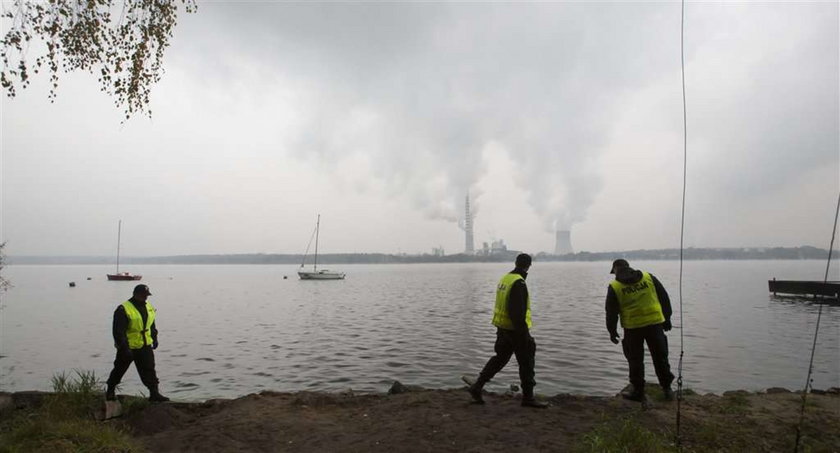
(138, 335)
(638, 303)
(501, 318)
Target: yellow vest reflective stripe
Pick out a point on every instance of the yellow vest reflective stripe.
(136, 334)
(638, 303)
(501, 318)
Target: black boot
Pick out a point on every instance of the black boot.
(110, 393)
(637, 394)
(476, 391)
(528, 399)
(155, 396)
(667, 393)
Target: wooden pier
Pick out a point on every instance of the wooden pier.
(814, 289)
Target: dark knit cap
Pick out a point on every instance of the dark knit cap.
(618, 264)
(523, 260)
(142, 289)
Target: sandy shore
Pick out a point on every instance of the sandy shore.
(444, 420)
(421, 420)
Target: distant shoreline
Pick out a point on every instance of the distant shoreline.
(693, 254)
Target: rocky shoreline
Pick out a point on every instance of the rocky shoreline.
(409, 418)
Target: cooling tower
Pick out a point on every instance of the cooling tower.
(563, 245)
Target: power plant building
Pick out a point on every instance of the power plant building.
(494, 248)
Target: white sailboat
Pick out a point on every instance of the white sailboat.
(121, 276)
(315, 273)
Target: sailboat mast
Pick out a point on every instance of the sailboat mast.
(119, 229)
(317, 232)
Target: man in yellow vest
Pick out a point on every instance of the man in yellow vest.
(512, 318)
(135, 337)
(642, 303)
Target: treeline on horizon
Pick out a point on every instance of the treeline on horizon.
(756, 253)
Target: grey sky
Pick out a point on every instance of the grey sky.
(382, 116)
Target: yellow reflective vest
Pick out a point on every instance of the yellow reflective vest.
(138, 335)
(501, 318)
(638, 303)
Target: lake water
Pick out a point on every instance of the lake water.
(227, 331)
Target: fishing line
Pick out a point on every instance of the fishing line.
(678, 439)
(816, 333)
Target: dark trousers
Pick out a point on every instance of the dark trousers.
(144, 361)
(508, 343)
(634, 349)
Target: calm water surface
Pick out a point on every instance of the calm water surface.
(226, 331)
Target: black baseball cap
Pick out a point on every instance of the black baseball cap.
(621, 262)
(142, 289)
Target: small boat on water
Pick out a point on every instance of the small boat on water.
(816, 289)
(121, 276)
(315, 273)
(322, 274)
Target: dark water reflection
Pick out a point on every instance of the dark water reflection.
(232, 330)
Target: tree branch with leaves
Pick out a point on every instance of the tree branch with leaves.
(121, 43)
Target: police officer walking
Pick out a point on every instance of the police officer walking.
(512, 318)
(135, 337)
(642, 303)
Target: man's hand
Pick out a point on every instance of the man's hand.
(614, 337)
(666, 326)
(155, 345)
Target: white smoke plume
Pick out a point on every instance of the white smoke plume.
(421, 89)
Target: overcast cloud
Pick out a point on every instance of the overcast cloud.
(382, 117)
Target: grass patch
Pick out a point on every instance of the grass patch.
(731, 430)
(133, 404)
(655, 393)
(708, 434)
(38, 433)
(76, 396)
(735, 404)
(624, 435)
(85, 382)
(65, 421)
(812, 403)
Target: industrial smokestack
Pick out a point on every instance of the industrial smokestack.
(469, 248)
(563, 245)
